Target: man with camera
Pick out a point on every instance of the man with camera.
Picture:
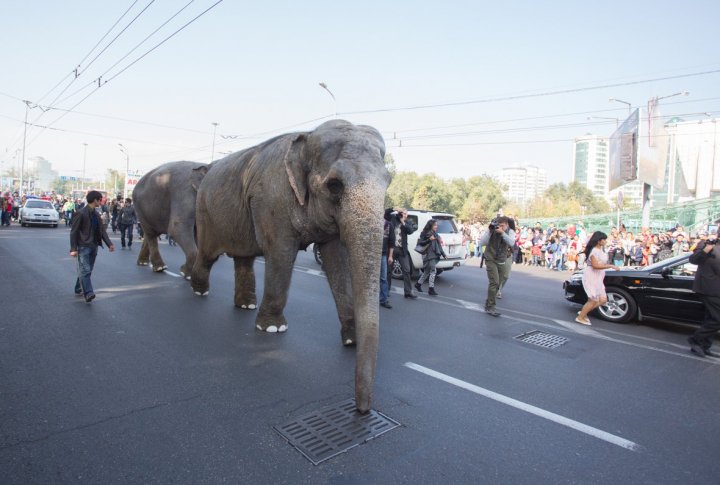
(400, 227)
(707, 284)
(498, 240)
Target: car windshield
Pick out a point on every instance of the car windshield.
(446, 225)
(38, 204)
(665, 262)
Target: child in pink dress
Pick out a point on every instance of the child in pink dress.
(594, 275)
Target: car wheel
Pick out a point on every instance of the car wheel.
(620, 307)
(318, 256)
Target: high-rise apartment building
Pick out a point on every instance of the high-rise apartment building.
(523, 183)
(590, 163)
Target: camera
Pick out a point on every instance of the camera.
(493, 225)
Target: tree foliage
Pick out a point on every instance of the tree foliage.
(477, 198)
(480, 198)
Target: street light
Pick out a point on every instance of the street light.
(212, 154)
(629, 105)
(127, 166)
(324, 86)
(84, 160)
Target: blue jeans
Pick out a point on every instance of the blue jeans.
(86, 261)
(384, 287)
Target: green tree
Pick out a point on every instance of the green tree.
(401, 191)
(114, 181)
(484, 201)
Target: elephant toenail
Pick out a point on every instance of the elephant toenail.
(251, 306)
(282, 328)
(271, 329)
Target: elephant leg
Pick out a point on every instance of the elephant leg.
(200, 279)
(186, 240)
(337, 268)
(278, 271)
(245, 283)
(144, 256)
(151, 237)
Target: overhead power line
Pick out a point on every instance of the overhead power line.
(533, 95)
(100, 85)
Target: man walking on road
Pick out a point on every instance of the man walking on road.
(498, 241)
(86, 235)
(127, 220)
(707, 285)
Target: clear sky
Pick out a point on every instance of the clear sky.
(254, 68)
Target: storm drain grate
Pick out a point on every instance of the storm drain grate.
(542, 339)
(321, 435)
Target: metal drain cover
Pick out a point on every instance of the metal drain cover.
(321, 435)
(542, 339)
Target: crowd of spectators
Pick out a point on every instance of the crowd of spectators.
(561, 248)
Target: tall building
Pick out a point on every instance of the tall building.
(591, 168)
(590, 163)
(39, 174)
(523, 183)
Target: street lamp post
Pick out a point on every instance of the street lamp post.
(127, 166)
(212, 154)
(84, 161)
(324, 86)
(629, 105)
(22, 166)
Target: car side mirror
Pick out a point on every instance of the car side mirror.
(666, 272)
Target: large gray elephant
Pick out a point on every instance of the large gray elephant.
(325, 186)
(165, 204)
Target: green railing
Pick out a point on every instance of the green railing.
(693, 216)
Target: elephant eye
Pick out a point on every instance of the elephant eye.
(335, 186)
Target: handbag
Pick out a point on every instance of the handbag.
(422, 248)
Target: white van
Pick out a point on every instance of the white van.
(450, 238)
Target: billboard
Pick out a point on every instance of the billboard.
(623, 158)
(653, 148)
(131, 180)
(639, 149)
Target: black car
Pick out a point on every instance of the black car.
(661, 291)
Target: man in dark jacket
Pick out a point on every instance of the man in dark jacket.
(86, 235)
(707, 284)
(127, 220)
(400, 227)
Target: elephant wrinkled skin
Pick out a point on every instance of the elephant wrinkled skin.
(325, 186)
(164, 201)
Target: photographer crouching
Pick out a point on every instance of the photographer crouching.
(498, 240)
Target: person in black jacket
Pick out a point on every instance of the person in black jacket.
(400, 227)
(127, 219)
(429, 237)
(86, 235)
(707, 284)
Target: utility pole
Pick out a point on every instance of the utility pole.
(84, 160)
(212, 154)
(22, 166)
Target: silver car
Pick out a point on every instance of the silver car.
(37, 211)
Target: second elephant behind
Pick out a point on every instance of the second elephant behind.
(165, 204)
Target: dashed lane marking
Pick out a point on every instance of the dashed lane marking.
(566, 325)
(529, 408)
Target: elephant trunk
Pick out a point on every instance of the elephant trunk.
(362, 233)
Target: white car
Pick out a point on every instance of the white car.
(38, 211)
(450, 239)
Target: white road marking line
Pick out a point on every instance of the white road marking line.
(576, 327)
(567, 325)
(528, 408)
(172, 274)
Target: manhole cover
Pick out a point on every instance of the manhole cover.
(542, 339)
(321, 435)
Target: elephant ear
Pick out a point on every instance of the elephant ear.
(296, 167)
(201, 171)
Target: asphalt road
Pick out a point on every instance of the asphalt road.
(152, 384)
